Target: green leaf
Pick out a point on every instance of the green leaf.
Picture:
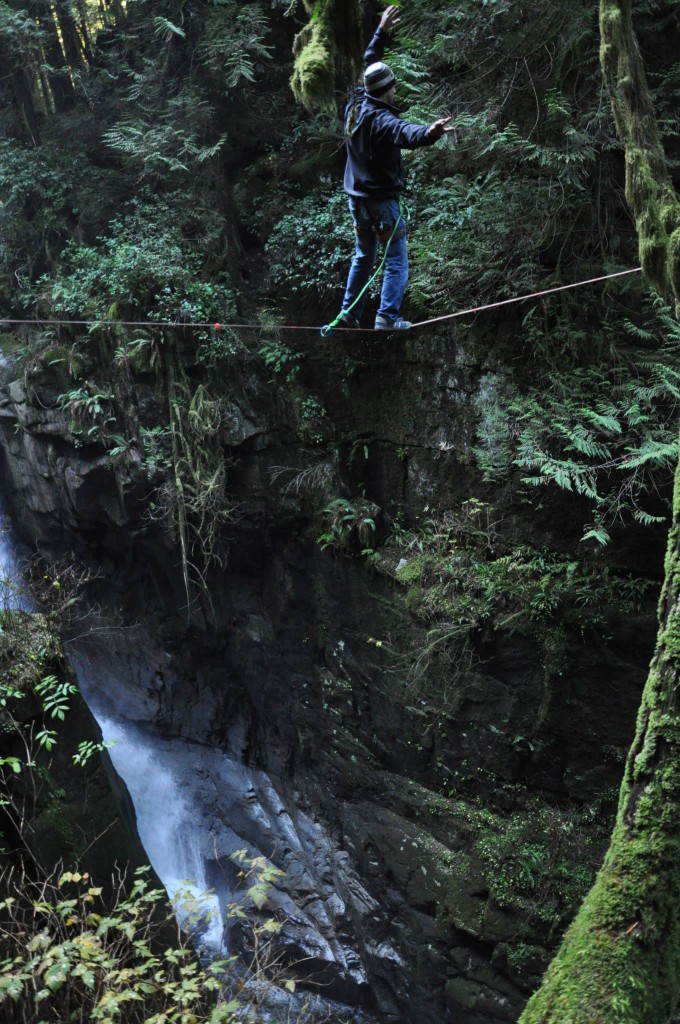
(597, 533)
(165, 23)
(650, 451)
(258, 894)
(56, 975)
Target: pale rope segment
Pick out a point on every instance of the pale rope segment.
(288, 327)
(532, 295)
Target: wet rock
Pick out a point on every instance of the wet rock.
(472, 1003)
(274, 1004)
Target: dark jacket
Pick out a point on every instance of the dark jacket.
(375, 136)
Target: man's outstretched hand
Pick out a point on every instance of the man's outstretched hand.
(439, 128)
(390, 18)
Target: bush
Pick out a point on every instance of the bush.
(66, 956)
(311, 246)
(147, 261)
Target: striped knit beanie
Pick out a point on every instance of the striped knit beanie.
(378, 78)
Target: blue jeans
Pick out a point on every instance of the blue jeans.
(373, 223)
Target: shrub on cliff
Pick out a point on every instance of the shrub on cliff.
(64, 953)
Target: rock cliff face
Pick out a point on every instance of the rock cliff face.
(430, 858)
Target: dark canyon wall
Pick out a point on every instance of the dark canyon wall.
(434, 831)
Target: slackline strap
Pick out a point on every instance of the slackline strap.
(290, 327)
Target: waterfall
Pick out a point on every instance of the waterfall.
(167, 830)
(197, 806)
(13, 596)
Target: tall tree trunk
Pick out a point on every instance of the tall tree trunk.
(58, 77)
(69, 33)
(619, 962)
(84, 29)
(649, 189)
(22, 96)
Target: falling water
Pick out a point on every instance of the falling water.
(13, 595)
(175, 821)
(168, 835)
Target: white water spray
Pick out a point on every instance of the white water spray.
(167, 832)
(13, 596)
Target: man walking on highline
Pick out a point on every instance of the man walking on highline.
(374, 178)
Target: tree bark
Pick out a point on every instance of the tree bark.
(619, 962)
(58, 78)
(69, 33)
(84, 29)
(328, 46)
(649, 189)
(22, 97)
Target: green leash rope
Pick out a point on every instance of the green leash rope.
(404, 215)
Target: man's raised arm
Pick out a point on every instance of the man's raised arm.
(375, 49)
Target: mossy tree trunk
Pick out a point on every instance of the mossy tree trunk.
(619, 962)
(649, 190)
(329, 46)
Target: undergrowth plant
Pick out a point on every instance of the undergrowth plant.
(35, 699)
(605, 430)
(91, 412)
(311, 245)
(540, 863)
(145, 261)
(348, 526)
(64, 952)
(462, 577)
(72, 950)
(193, 497)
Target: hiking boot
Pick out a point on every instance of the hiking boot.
(383, 324)
(348, 320)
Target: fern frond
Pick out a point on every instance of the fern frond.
(605, 422)
(650, 452)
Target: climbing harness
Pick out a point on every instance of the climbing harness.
(292, 327)
(404, 215)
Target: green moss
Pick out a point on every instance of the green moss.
(313, 81)
(328, 46)
(63, 820)
(64, 362)
(410, 572)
